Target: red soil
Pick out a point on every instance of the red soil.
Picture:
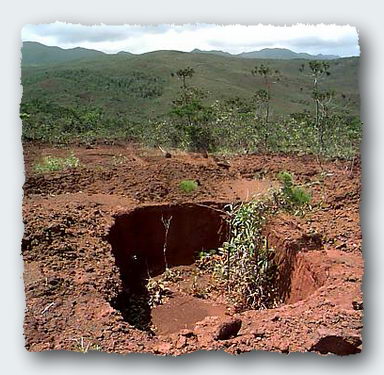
(75, 258)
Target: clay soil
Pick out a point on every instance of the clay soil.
(85, 228)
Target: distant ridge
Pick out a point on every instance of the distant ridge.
(125, 53)
(284, 54)
(214, 52)
(272, 53)
(34, 53)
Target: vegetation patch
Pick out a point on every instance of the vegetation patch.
(52, 163)
(188, 186)
(245, 265)
(295, 196)
(119, 159)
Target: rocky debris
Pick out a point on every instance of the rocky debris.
(181, 342)
(275, 318)
(223, 164)
(162, 348)
(228, 329)
(186, 333)
(336, 343)
(357, 305)
(258, 334)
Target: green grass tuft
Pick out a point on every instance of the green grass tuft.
(188, 186)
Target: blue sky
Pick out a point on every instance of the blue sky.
(339, 40)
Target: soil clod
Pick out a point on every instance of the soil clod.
(228, 329)
(339, 344)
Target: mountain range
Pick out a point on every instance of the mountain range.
(34, 53)
(272, 53)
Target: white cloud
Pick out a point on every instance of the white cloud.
(327, 39)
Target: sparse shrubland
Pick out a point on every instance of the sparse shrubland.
(237, 108)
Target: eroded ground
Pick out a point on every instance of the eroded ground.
(85, 228)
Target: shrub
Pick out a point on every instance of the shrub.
(286, 178)
(299, 196)
(294, 196)
(246, 264)
(188, 186)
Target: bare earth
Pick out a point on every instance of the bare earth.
(80, 229)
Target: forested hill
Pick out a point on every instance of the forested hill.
(142, 86)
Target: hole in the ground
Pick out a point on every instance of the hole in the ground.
(151, 239)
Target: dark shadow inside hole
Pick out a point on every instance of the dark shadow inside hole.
(148, 239)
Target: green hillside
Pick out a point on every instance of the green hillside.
(141, 86)
(85, 95)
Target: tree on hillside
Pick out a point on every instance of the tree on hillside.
(183, 74)
(322, 98)
(262, 97)
(186, 104)
(191, 111)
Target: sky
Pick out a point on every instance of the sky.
(341, 40)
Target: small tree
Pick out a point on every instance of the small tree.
(321, 98)
(189, 108)
(262, 97)
(183, 74)
(184, 102)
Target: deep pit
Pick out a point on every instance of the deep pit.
(138, 237)
(150, 239)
